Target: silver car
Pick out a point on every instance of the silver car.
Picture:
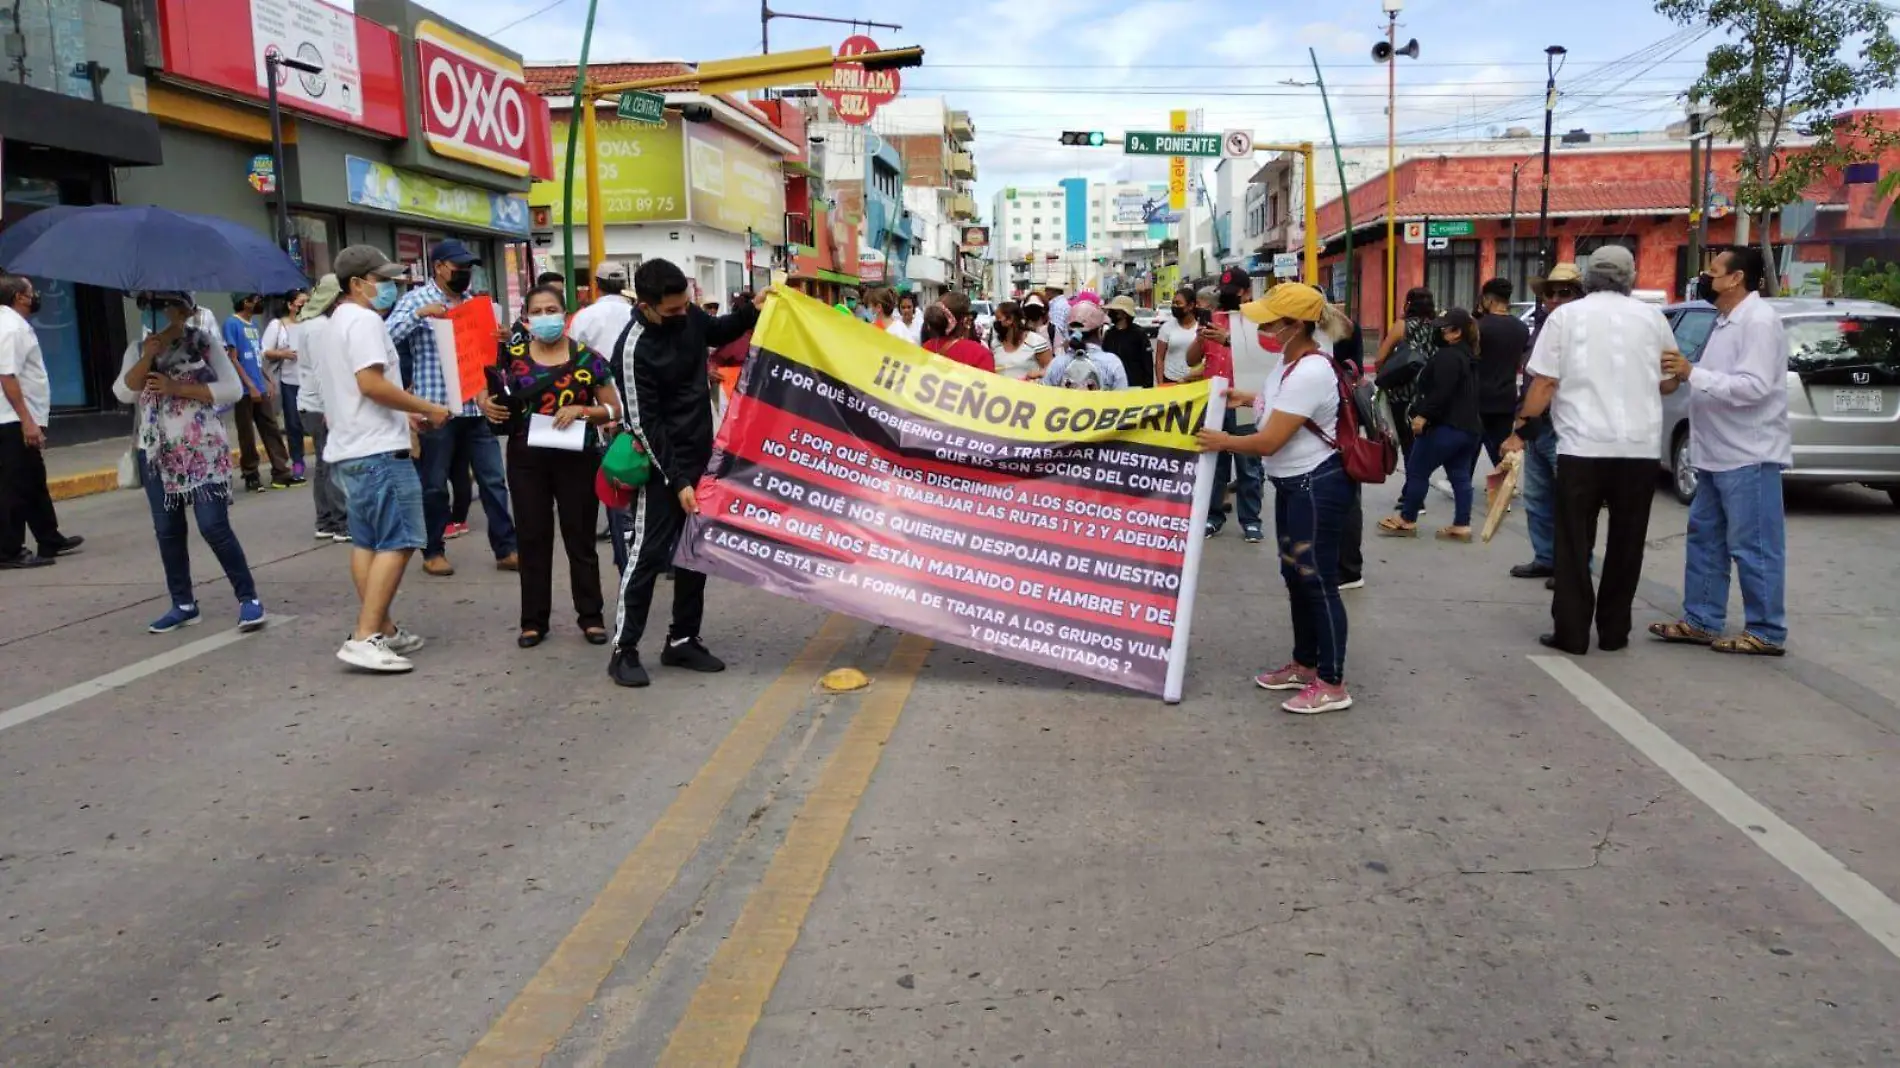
(1843, 392)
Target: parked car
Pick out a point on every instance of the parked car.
(1843, 392)
(985, 313)
(1150, 319)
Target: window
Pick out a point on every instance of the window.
(1521, 267)
(1037, 219)
(1693, 326)
(1587, 245)
(1452, 274)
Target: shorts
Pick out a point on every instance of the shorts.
(384, 501)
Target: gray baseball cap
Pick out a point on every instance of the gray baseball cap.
(364, 261)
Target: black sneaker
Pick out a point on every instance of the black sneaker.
(691, 654)
(63, 547)
(625, 669)
(252, 485)
(23, 560)
(1532, 570)
(294, 480)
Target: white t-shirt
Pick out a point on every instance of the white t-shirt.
(599, 324)
(1310, 390)
(279, 336)
(1177, 337)
(1605, 351)
(912, 332)
(359, 427)
(20, 357)
(310, 393)
(1020, 362)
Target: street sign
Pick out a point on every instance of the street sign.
(636, 106)
(1437, 244)
(1415, 233)
(1139, 143)
(1236, 144)
(1449, 228)
(263, 174)
(1285, 265)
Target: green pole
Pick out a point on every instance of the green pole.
(1345, 194)
(573, 143)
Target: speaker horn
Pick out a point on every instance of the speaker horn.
(1381, 52)
(1410, 49)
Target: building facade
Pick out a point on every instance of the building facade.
(1079, 234)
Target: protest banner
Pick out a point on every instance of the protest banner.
(1052, 526)
(474, 332)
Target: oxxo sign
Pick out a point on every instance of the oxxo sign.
(474, 101)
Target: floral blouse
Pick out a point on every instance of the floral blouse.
(542, 390)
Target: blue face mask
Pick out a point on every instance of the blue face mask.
(154, 320)
(548, 328)
(385, 297)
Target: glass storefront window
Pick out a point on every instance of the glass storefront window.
(316, 242)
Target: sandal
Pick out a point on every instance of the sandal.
(1746, 644)
(1394, 527)
(1682, 632)
(530, 638)
(595, 635)
(1455, 534)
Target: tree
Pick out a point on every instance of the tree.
(1873, 280)
(1789, 68)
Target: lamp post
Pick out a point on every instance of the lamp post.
(1553, 62)
(1388, 52)
(1512, 269)
(272, 63)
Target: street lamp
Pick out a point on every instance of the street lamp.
(272, 61)
(1553, 62)
(1387, 52)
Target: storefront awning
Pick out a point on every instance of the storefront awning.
(37, 117)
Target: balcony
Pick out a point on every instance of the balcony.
(962, 207)
(962, 130)
(797, 229)
(963, 165)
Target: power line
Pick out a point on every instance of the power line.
(530, 15)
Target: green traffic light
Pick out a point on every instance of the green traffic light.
(1095, 138)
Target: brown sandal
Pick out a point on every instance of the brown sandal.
(1394, 527)
(1746, 644)
(1453, 534)
(1681, 632)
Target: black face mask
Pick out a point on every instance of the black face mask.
(459, 280)
(1705, 288)
(33, 306)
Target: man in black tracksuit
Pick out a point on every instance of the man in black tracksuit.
(669, 394)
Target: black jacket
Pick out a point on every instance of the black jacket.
(671, 396)
(1503, 341)
(1448, 390)
(1136, 352)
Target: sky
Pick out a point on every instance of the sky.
(1028, 69)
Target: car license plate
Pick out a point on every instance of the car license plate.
(1856, 400)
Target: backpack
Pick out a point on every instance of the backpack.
(1366, 449)
(1401, 368)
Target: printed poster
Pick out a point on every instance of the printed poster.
(315, 33)
(1051, 526)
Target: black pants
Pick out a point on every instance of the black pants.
(1585, 485)
(1497, 427)
(551, 484)
(1352, 539)
(24, 502)
(653, 528)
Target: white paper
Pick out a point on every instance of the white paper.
(542, 435)
(451, 367)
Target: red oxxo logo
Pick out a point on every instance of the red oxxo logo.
(474, 101)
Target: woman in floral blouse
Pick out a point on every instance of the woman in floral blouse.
(178, 376)
(546, 373)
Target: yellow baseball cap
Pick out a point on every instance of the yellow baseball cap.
(1288, 300)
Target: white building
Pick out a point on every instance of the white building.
(1075, 233)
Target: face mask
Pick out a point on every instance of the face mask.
(385, 297)
(33, 306)
(547, 328)
(154, 320)
(1705, 288)
(459, 280)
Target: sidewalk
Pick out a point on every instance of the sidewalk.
(94, 467)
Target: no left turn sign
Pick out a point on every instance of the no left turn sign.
(1236, 144)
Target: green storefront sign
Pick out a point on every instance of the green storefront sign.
(1139, 143)
(642, 174)
(1449, 228)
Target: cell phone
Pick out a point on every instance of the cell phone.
(1205, 317)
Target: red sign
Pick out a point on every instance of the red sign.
(475, 101)
(856, 93)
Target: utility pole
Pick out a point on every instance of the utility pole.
(1553, 62)
(1345, 191)
(274, 64)
(1512, 262)
(1698, 197)
(1391, 162)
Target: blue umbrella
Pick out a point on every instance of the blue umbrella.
(140, 248)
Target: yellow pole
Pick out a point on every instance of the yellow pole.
(1391, 169)
(1312, 219)
(596, 221)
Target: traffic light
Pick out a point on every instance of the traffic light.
(1087, 138)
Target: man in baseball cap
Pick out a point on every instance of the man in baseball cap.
(1087, 323)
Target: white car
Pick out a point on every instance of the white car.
(985, 313)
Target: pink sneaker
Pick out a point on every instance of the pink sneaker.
(1290, 677)
(455, 530)
(1319, 697)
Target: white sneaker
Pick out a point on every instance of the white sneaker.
(323, 535)
(1355, 584)
(372, 654)
(404, 641)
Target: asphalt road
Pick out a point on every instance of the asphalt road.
(229, 851)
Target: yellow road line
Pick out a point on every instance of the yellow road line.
(535, 1022)
(719, 1020)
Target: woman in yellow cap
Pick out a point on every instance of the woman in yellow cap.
(1311, 491)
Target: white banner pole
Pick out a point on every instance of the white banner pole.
(1204, 490)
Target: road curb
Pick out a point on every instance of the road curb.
(85, 484)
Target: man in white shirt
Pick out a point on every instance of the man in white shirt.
(909, 323)
(1600, 358)
(26, 403)
(1739, 443)
(370, 417)
(600, 324)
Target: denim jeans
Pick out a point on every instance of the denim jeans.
(1453, 450)
(293, 424)
(174, 533)
(1737, 515)
(1245, 471)
(471, 434)
(385, 502)
(1309, 515)
(1540, 497)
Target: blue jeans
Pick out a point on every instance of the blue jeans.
(1737, 515)
(1309, 515)
(174, 532)
(1245, 471)
(293, 424)
(1453, 450)
(1540, 497)
(470, 434)
(385, 502)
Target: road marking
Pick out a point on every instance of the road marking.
(1874, 911)
(540, 1016)
(718, 1022)
(112, 680)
